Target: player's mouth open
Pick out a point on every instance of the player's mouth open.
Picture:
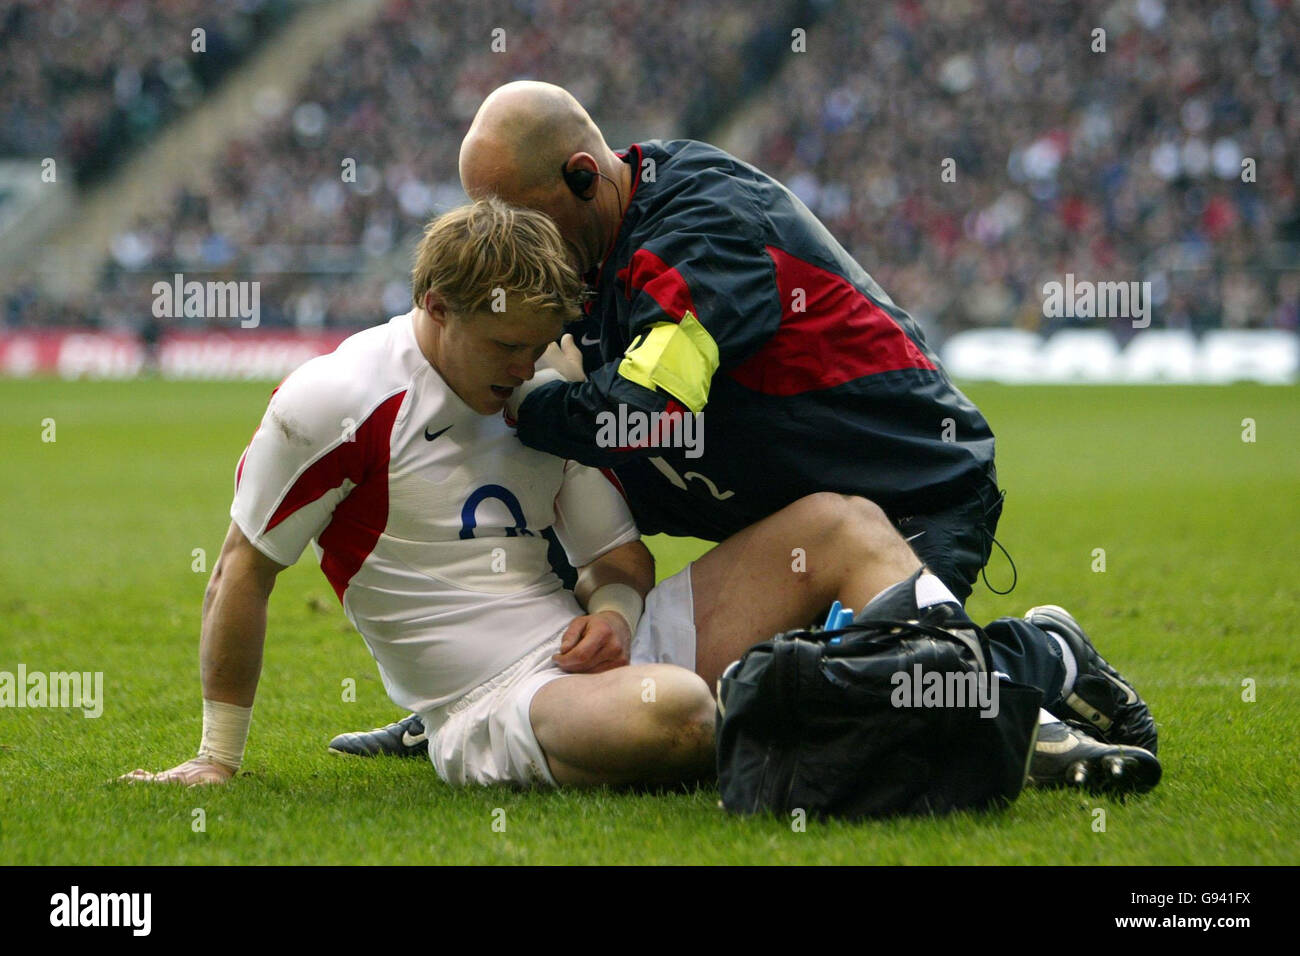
(500, 391)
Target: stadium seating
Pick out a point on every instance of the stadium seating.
(85, 82)
(1125, 164)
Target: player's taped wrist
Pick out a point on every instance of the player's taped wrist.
(225, 732)
(623, 599)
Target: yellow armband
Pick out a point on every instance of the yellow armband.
(680, 358)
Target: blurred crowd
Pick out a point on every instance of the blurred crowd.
(85, 80)
(1122, 165)
(321, 205)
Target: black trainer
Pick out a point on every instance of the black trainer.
(406, 738)
(1067, 757)
(1101, 702)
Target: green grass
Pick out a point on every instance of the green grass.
(96, 552)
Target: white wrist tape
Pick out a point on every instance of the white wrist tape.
(620, 598)
(225, 731)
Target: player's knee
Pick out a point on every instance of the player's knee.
(864, 516)
(833, 516)
(680, 711)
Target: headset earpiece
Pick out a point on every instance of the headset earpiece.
(579, 181)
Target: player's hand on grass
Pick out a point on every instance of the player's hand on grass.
(191, 773)
(595, 643)
(565, 358)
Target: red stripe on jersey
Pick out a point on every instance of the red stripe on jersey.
(636, 181)
(646, 272)
(669, 418)
(361, 517)
(839, 335)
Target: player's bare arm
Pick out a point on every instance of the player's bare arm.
(230, 656)
(612, 589)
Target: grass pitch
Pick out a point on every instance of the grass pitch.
(1196, 530)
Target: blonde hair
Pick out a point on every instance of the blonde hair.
(471, 254)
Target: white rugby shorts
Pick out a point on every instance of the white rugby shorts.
(486, 737)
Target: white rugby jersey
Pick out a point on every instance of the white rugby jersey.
(426, 515)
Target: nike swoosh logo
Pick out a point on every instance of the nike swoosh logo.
(428, 437)
(587, 341)
(407, 739)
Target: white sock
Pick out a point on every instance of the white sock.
(931, 591)
(1071, 665)
(1045, 718)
